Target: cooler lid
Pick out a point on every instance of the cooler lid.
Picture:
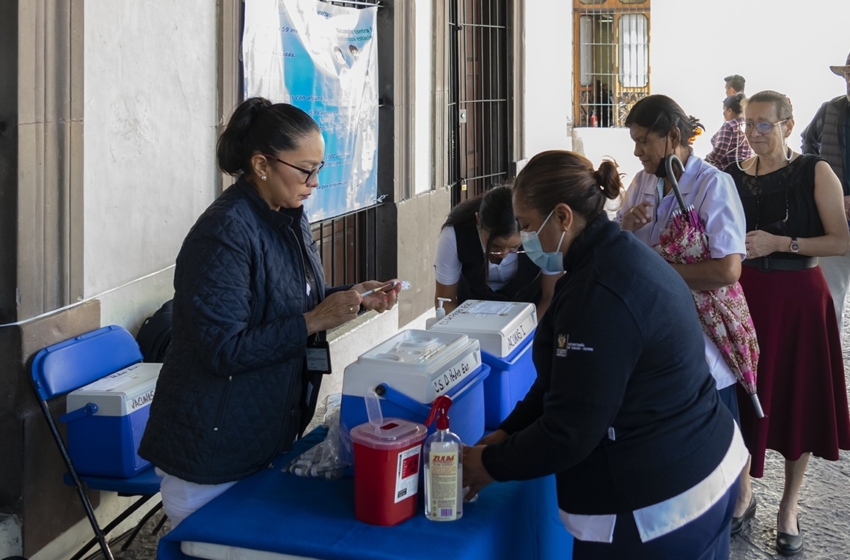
(501, 326)
(119, 393)
(394, 433)
(499, 317)
(416, 351)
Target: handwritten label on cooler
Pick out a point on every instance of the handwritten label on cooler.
(142, 400)
(455, 374)
(517, 336)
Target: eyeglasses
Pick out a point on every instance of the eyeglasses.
(763, 127)
(308, 172)
(507, 252)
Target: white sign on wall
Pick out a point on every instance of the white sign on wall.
(323, 59)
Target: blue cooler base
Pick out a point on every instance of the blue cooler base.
(509, 381)
(106, 445)
(466, 415)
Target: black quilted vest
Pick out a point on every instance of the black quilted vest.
(525, 286)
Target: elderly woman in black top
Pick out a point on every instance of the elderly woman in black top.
(624, 411)
(794, 214)
(248, 351)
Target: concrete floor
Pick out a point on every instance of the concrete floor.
(824, 510)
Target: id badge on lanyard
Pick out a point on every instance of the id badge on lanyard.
(318, 356)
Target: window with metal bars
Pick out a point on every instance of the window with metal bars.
(611, 59)
(479, 92)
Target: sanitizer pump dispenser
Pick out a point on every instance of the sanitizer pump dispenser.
(443, 467)
(440, 313)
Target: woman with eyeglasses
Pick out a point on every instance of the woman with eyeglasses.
(480, 256)
(794, 214)
(623, 411)
(659, 127)
(248, 351)
(729, 144)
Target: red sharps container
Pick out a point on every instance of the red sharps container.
(386, 470)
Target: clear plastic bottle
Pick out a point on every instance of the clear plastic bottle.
(439, 314)
(443, 467)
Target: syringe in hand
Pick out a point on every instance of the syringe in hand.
(388, 287)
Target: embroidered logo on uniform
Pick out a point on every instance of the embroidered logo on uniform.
(561, 351)
(564, 346)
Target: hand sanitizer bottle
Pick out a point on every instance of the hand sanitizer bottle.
(440, 313)
(443, 452)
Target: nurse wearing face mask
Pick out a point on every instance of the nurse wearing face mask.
(479, 256)
(623, 411)
(659, 127)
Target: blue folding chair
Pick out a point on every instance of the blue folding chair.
(69, 365)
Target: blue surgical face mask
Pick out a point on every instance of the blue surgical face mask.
(550, 262)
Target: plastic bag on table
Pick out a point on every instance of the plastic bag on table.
(330, 458)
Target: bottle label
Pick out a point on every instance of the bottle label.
(443, 495)
(407, 474)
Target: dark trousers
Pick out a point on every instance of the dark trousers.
(704, 538)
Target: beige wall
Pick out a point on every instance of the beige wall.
(150, 131)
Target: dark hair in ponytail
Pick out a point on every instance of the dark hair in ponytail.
(558, 176)
(735, 103)
(495, 212)
(259, 126)
(660, 114)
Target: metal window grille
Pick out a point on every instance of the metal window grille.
(348, 246)
(479, 131)
(612, 58)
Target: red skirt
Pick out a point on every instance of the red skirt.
(801, 369)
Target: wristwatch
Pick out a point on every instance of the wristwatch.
(795, 247)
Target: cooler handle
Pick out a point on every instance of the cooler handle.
(89, 410)
(397, 397)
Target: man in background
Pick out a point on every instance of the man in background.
(734, 84)
(828, 135)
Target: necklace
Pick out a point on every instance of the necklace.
(776, 228)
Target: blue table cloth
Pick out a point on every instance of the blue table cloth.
(279, 512)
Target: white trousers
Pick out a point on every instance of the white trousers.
(181, 498)
(836, 270)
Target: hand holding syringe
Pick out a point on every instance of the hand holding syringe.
(380, 296)
(388, 287)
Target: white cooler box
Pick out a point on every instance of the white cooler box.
(500, 326)
(505, 330)
(106, 420)
(409, 371)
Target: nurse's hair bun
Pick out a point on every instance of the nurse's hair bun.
(559, 176)
(608, 179)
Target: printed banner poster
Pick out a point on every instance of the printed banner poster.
(323, 59)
